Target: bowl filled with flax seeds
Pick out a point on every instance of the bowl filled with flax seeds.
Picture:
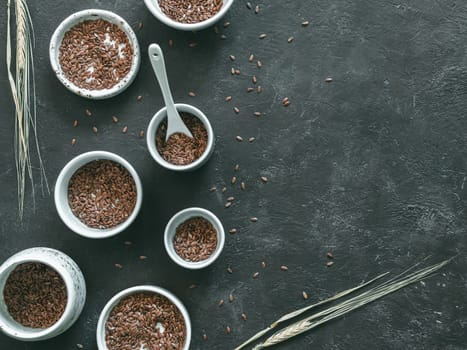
(144, 318)
(95, 54)
(98, 194)
(191, 15)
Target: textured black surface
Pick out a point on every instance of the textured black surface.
(371, 167)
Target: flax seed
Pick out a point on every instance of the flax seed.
(228, 98)
(239, 138)
(242, 186)
(284, 268)
(125, 129)
(75, 123)
(253, 219)
(233, 231)
(256, 275)
(305, 295)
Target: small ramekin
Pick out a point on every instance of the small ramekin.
(151, 138)
(154, 8)
(85, 15)
(100, 333)
(75, 287)
(181, 217)
(61, 195)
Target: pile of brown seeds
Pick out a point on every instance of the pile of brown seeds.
(190, 11)
(181, 149)
(35, 295)
(95, 54)
(102, 194)
(195, 239)
(145, 321)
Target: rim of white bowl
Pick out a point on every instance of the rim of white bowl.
(181, 217)
(151, 138)
(61, 198)
(153, 7)
(77, 18)
(104, 315)
(32, 334)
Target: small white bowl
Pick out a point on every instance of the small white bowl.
(85, 15)
(180, 218)
(75, 287)
(151, 138)
(100, 333)
(154, 8)
(61, 195)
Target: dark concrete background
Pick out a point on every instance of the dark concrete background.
(371, 167)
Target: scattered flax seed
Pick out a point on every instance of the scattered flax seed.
(229, 270)
(231, 297)
(115, 119)
(248, 5)
(329, 263)
(234, 180)
(242, 186)
(88, 112)
(263, 264)
(224, 189)
(94, 130)
(118, 266)
(213, 189)
(244, 317)
(171, 43)
(236, 110)
(205, 337)
(75, 123)
(328, 80)
(237, 71)
(221, 302)
(239, 138)
(305, 23)
(228, 204)
(254, 79)
(259, 89)
(257, 9)
(80, 346)
(233, 231)
(305, 295)
(216, 30)
(257, 114)
(223, 37)
(254, 219)
(228, 98)
(251, 139)
(232, 71)
(259, 64)
(250, 89)
(73, 142)
(139, 98)
(232, 57)
(290, 39)
(236, 167)
(143, 257)
(251, 58)
(141, 134)
(125, 129)
(284, 268)
(256, 275)
(140, 25)
(226, 24)
(228, 330)
(128, 243)
(193, 286)
(262, 36)
(264, 179)
(231, 199)
(330, 255)
(192, 45)
(192, 94)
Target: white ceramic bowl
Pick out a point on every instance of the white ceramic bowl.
(181, 217)
(93, 14)
(153, 6)
(75, 287)
(61, 195)
(151, 138)
(100, 334)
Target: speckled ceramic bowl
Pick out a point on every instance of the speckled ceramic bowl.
(154, 8)
(181, 217)
(100, 333)
(93, 14)
(61, 195)
(75, 286)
